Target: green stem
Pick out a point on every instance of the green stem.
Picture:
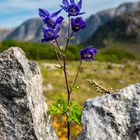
(68, 128)
(66, 79)
(68, 39)
(75, 80)
(68, 91)
(65, 74)
(57, 55)
(58, 46)
(58, 58)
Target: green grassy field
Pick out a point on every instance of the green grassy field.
(108, 75)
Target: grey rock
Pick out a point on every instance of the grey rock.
(23, 111)
(112, 116)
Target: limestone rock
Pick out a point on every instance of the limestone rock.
(112, 117)
(23, 111)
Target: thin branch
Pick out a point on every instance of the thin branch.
(58, 45)
(75, 80)
(57, 55)
(58, 58)
(99, 88)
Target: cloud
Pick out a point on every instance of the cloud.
(14, 12)
(27, 4)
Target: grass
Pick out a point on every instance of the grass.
(108, 75)
(132, 47)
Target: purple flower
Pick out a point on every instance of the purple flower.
(72, 8)
(50, 34)
(88, 53)
(51, 20)
(77, 24)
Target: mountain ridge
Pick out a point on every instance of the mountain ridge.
(125, 27)
(30, 30)
(121, 32)
(102, 17)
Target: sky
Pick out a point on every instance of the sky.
(14, 12)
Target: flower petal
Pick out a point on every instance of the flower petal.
(77, 24)
(43, 40)
(56, 13)
(43, 13)
(81, 13)
(57, 29)
(88, 53)
(43, 30)
(72, 2)
(94, 50)
(64, 7)
(79, 4)
(59, 20)
(65, 2)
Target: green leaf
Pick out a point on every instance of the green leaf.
(75, 88)
(59, 107)
(72, 38)
(75, 113)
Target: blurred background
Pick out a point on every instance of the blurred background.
(113, 28)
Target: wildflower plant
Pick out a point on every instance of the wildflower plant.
(51, 31)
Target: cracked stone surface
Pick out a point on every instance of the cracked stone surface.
(23, 111)
(112, 117)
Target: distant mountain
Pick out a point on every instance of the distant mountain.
(102, 17)
(30, 30)
(123, 28)
(4, 33)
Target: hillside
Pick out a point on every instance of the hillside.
(30, 30)
(102, 17)
(4, 33)
(124, 30)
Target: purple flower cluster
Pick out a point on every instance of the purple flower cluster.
(73, 9)
(53, 21)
